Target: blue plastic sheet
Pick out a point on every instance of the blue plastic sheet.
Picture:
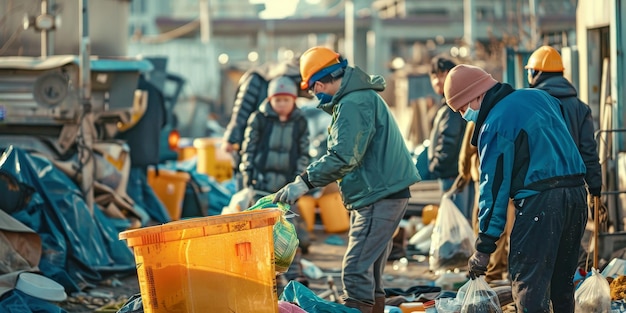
(78, 249)
(297, 293)
(16, 301)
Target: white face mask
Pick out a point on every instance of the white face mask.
(471, 115)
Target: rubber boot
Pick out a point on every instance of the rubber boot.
(361, 306)
(379, 305)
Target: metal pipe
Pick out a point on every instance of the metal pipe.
(87, 132)
(47, 35)
(85, 52)
(533, 24)
(349, 30)
(469, 24)
(205, 21)
(44, 33)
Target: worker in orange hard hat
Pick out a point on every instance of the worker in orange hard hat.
(545, 72)
(368, 158)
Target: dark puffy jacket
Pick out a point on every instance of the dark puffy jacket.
(366, 151)
(446, 138)
(251, 92)
(579, 123)
(274, 152)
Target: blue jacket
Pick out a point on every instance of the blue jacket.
(524, 147)
(366, 151)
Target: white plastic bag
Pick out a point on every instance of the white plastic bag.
(480, 298)
(593, 295)
(452, 239)
(240, 201)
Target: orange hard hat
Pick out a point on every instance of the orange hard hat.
(545, 59)
(313, 61)
(429, 213)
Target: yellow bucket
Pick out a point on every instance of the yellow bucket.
(222, 263)
(212, 160)
(333, 213)
(307, 206)
(169, 186)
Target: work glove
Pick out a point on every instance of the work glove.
(477, 264)
(292, 191)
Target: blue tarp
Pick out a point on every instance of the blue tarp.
(78, 249)
(16, 301)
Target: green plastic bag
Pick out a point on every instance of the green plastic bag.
(284, 233)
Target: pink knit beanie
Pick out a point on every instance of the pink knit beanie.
(465, 83)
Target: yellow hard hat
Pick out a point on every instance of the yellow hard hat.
(313, 61)
(545, 59)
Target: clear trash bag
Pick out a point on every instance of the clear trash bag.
(480, 298)
(452, 240)
(593, 295)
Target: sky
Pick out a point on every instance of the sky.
(275, 9)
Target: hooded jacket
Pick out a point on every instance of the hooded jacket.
(274, 152)
(579, 123)
(366, 151)
(524, 148)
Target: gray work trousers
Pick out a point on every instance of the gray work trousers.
(369, 245)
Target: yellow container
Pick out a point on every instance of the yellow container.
(169, 187)
(222, 263)
(186, 153)
(333, 213)
(429, 213)
(412, 307)
(307, 206)
(212, 160)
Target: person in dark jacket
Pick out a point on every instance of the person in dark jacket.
(545, 72)
(276, 141)
(527, 154)
(275, 150)
(368, 158)
(251, 92)
(143, 140)
(446, 138)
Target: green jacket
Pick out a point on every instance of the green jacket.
(366, 153)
